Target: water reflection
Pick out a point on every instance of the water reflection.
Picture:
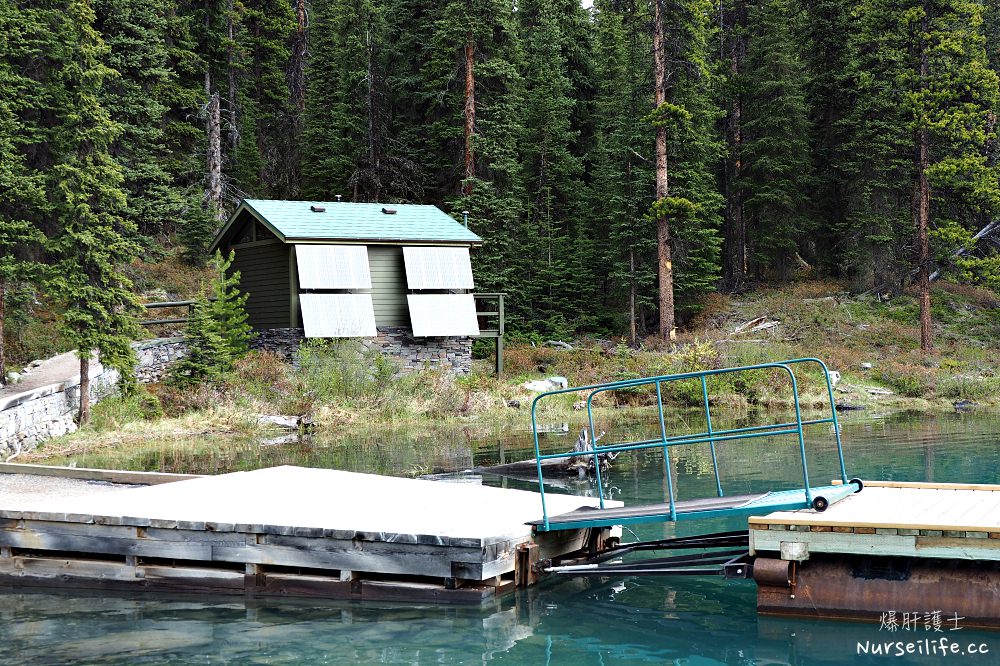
(564, 621)
(577, 621)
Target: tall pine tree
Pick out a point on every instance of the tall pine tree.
(94, 241)
(775, 172)
(931, 72)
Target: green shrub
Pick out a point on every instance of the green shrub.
(909, 384)
(217, 331)
(338, 369)
(115, 411)
(965, 387)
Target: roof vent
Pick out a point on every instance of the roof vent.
(317, 209)
(389, 211)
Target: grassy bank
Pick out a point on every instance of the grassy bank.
(872, 342)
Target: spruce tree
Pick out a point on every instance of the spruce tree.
(557, 283)
(207, 355)
(227, 307)
(826, 47)
(775, 176)
(489, 183)
(94, 241)
(184, 139)
(687, 215)
(21, 193)
(262, 157)
(620, 196)
(217, 332)
(928, 69)
(135, 35)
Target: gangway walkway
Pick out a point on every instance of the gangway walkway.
(673, 509)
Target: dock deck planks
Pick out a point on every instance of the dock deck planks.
(261, 528)
(933, 520)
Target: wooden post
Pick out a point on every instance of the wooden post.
(526, 564)
(84, 413)
(293, 289)
(499, 363)
(499, 358)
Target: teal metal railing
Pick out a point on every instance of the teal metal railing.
(709, 436)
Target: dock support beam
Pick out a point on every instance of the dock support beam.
(864, 588)
(526, 562)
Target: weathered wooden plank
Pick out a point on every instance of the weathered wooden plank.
(935, 508)
(929, 484)
(417, 564)
(87, 474)
(383, 548)
(51, 568)
(185, 576)
(881, 545)
(70, 543)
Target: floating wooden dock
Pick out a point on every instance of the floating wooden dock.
(895, 547)
(290, 531)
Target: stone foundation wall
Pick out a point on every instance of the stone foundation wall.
(156, 356)
(43, 413)
(34, 416)
(450, 354)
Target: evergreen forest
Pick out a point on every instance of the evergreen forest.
(621, 160)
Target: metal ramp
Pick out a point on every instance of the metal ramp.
(707, 507)
(673, 509)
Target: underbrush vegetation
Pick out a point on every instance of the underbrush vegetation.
(870, 341)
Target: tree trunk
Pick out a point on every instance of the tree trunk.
(372, 150)
(734, 268)
(633, 334)
(233, 135)
(924, 212)
(84, 413)
(213, 126)
(923, 240)
(300, 51)
(666, 269)
(470, 111)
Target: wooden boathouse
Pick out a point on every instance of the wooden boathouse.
(341, 269)
(399, 275)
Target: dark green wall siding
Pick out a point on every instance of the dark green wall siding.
(264, 276)
(388, 285)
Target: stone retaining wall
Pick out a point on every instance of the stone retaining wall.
(34, 416)
(450, 354)
(156, 356)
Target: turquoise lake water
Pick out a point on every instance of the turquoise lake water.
(692, 621)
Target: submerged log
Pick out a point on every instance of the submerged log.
(579, 465)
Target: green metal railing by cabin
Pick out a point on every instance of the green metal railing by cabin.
(818, 497)
(170, 320)
(489, 311)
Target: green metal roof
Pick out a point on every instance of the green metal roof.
(295, 220)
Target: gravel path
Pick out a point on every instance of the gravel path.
(18, 491)
(55, 370)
